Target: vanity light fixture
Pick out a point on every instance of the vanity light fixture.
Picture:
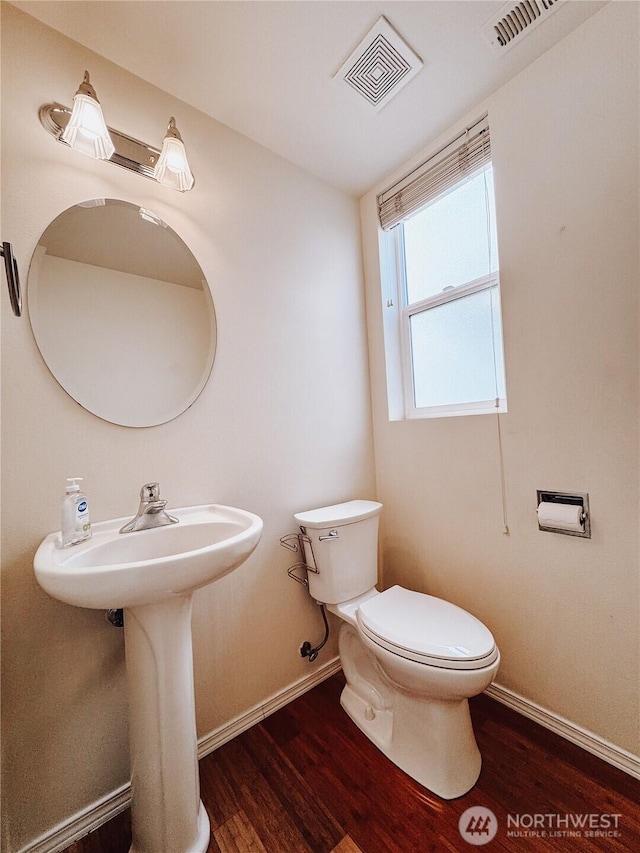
(87, 130)
(83, 128)
(172, 169)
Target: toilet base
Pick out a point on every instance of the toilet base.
(432, 740)
(377, 724)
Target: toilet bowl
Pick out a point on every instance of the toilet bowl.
(411, 661)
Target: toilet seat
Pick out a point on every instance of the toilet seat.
(426, 630)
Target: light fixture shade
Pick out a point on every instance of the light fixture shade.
(172, 168)
(87, 130)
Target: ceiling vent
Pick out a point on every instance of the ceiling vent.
(516, 20)
(380, 65)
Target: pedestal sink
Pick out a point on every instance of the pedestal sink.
(153, 574)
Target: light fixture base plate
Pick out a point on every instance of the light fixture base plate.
(130, 153)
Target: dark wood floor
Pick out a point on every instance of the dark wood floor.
(307, 781)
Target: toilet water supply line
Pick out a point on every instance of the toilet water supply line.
(306, 651)
(296, 542)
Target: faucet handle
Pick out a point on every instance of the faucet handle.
(150, 492)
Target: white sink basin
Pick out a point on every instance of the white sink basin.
(114, 569)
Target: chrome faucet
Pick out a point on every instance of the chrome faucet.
(151, 512)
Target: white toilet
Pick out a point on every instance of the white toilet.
(411, 661)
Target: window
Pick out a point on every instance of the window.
(442, 288)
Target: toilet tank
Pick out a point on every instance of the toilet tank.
(344, 547)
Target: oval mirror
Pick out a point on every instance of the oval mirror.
(121, 312)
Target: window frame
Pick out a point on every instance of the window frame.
(397, 333)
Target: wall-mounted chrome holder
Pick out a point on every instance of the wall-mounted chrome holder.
(130, 153)
(300, 543)
(13, 278)
(580, 499)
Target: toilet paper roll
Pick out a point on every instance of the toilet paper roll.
(560, 516)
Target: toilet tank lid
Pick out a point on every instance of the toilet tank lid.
(338, 514)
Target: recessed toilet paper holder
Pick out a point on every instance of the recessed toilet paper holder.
(570, 500)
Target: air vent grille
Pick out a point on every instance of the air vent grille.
(516, 20)
(380, 65)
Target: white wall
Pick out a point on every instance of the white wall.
(283, 424)
(565, 611)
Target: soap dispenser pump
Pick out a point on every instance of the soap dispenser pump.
(75, 522)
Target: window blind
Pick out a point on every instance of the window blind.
(457, 160)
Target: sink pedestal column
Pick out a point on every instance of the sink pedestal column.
(166, 813)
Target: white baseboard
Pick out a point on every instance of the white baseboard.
(594, 744)
(90, 818)
(260, 712)
(82, 823)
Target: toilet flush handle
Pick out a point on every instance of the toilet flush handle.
(333, 534)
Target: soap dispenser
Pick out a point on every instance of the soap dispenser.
(75, 524)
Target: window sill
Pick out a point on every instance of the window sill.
(487, 407)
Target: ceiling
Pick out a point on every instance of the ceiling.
(266, 68)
